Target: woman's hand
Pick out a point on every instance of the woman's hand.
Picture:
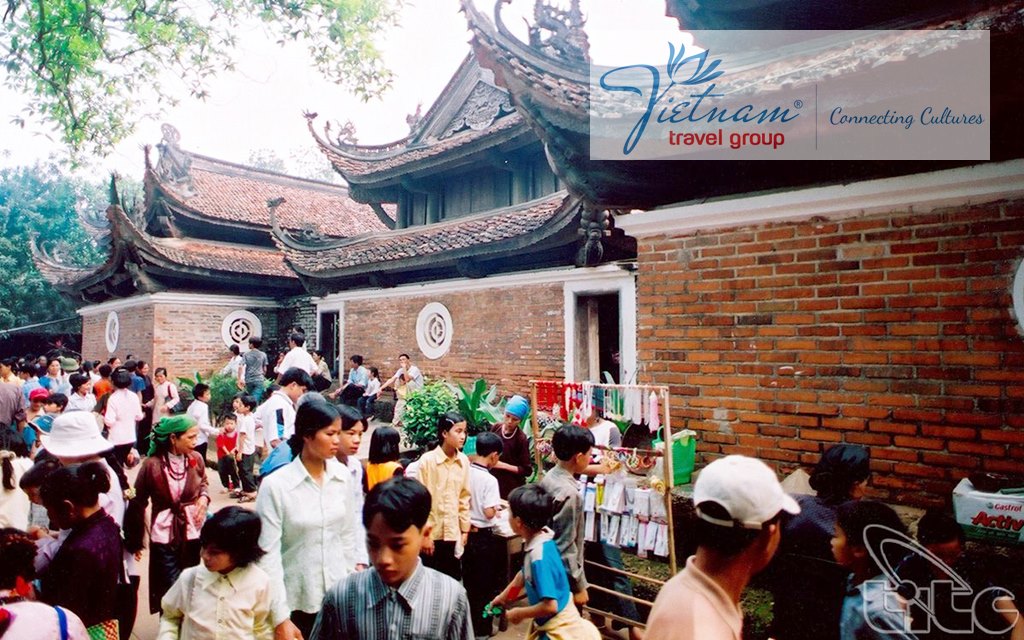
(428, 547)
(203, 504)
(287, 631)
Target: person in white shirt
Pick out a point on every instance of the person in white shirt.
(124, 410)
(297, 357)
(407, 379)
(244, 404)
(276, 416)
(309, 521)
(81, 398)
(199, 411)
(483, 561)
(369, 397)
(231, 368)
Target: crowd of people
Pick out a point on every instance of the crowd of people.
(334, 547)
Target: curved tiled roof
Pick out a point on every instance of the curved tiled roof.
(237, 194)
(478, 234)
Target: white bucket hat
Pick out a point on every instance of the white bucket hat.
(74, 435)
(746, 487)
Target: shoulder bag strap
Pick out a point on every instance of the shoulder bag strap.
(62, 622)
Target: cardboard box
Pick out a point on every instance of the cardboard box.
(989, 517)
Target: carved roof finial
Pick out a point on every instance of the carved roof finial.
(566, 38)
(414, 119)
(175, 164)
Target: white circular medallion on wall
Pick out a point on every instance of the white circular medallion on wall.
(1018, 296)
(238, 326)
(434, 330)
(112, 332)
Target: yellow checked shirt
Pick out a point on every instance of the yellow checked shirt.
(447, 479)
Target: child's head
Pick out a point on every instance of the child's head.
(17, 555)
(244, 403)
(295, 382)
(395, 516)
(38, 397)
(55, 403)
(375, 373)
(385, 444)
(939, 532)
(230, 539)
(121, 379)
(531, 509)
(451, 431)
(488, 449)
(201, 392)
(69, 491)
(228, 423)
(860, 523)
(351, 431)
(32, 480)
(572, 445)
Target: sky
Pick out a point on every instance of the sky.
(260, 105)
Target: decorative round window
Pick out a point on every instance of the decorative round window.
(238, 327)
(434, 330)
(1018, 295)
(112, 332)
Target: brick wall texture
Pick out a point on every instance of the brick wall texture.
(136, 335)
(506, 336)
(891, 331)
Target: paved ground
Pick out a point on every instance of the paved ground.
(146, 624)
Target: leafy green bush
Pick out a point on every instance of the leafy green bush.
(422, 409)
(223, 389)
(477, 405)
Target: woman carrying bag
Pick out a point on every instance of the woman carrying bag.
(173, 477)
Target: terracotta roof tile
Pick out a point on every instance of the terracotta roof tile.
(235, 193)
(430, 240)
(218, 256)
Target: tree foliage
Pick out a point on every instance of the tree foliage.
(40, 200)
(87, 65)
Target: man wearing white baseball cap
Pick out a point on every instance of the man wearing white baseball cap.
(739, 503)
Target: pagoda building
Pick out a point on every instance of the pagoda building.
(490, 269)
(193, 268)
(799, 304)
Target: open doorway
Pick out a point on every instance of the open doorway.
(597, 337)
(329, 339)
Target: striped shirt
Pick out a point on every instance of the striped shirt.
(427, 605)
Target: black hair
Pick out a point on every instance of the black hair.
(375, 372)
(298, 376)
(81, 484)
(130, 366)
(727, 541)
(36, 475)
(77, 380)
(446, 421)
(358, 359)
(385, 445)
(255, 342)
(58, 399)
(312, 415)
(234, 349)
(247, 400)
(298, 338)
(199, 390)
(105, 370)
(17, 557)
(111, 361)
(402, 502)
(235, 531)
(855, 516)
(12, 441)
(570, 441)
(50, 360)
(121, 379)
(936, 527)
(9, 361)
(350, 416)
(404, 355)
(228, 416)
(87, 366)
(159, 369)
(140, 365)
(532, 504)
(841, 468)
(487, 443)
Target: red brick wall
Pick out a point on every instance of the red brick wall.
(136, 336)
(891, 331)
(188, 339)
(506, 336)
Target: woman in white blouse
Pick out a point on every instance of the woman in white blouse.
(310, 532)
(165, 394)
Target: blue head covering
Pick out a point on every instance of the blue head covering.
(517, 406)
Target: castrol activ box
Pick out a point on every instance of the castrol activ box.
(991, 517)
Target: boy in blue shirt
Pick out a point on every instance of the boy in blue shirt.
(554, 616)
